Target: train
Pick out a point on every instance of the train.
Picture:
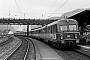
(60, 33)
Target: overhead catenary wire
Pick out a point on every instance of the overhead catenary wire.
(60, 7)
(31, 13)
(52, 5)
(18, 8)
(22, 8)
(50, 8)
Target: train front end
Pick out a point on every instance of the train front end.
(70, 38)
(68, 32)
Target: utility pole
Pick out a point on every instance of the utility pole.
(42, 15)
(24, 15)
(9, 14)
(9, 18)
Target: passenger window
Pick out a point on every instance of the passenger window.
(54, 28)
(49, 30)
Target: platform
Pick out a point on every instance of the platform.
(45, 52)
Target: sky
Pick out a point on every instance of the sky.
(38, 8)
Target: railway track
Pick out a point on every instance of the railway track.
(72, 55)
(83, 51)
(24, 52)
(31, 52)
(27, 51)
(8, 40)
(6, 46)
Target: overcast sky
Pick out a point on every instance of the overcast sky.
(39, 8)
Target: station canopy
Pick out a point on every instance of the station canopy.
(82, 17)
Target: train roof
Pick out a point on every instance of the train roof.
(53, 23)
(58, 21)
(39, 28)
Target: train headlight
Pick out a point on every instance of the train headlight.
(61, 37)
(75, 35)
(2, 33)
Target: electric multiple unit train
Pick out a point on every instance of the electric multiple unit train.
(61, 33)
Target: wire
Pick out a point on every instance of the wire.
(21, 5)
(52, 5)
(55, 13)
(60, 7)
(18, 8)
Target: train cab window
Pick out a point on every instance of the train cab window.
(72, 27)
(63, 28)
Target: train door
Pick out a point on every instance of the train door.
(54, 31)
